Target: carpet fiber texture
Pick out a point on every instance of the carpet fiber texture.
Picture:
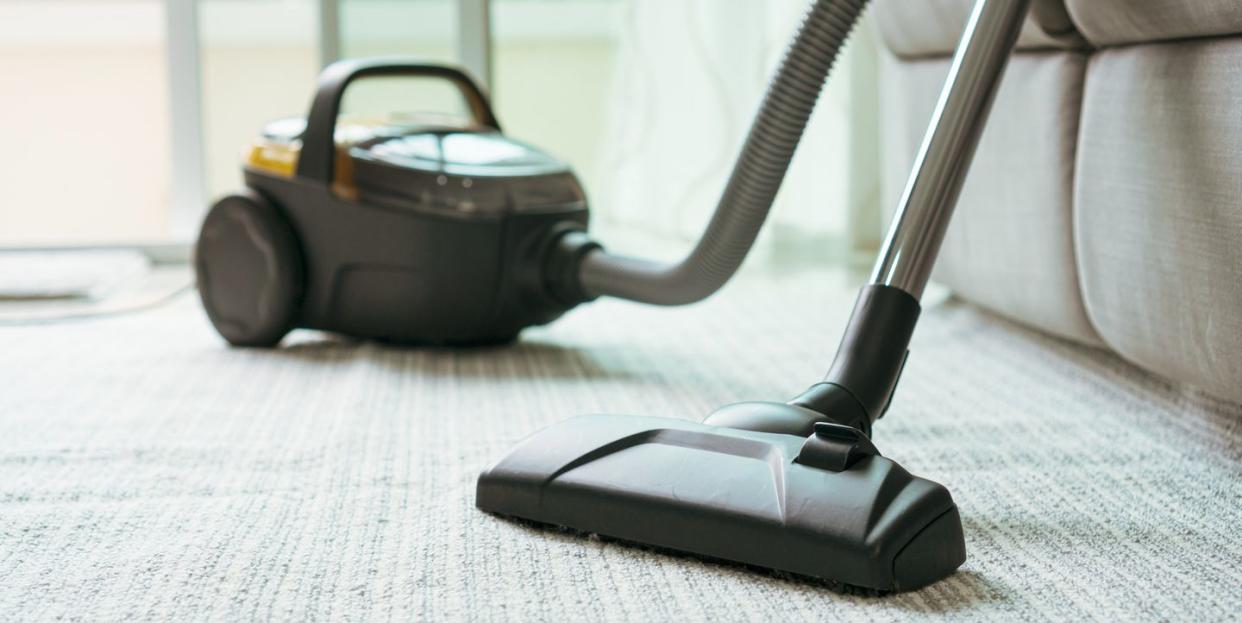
(147, 471)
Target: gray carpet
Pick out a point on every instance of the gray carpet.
(146, 471)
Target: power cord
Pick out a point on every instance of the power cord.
(159, 291)
(53, 318)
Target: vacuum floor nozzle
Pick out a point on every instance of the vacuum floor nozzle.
(771, 500)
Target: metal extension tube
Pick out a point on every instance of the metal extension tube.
(922, 217)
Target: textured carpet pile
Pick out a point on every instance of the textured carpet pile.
(147, 471)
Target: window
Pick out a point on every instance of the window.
(121, 119)
(84, 121)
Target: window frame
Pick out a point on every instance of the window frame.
(189, 195)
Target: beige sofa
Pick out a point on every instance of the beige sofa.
(1105, 202)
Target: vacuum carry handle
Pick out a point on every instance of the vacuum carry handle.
(318, 142)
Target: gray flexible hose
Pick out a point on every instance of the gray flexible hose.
(756, 177)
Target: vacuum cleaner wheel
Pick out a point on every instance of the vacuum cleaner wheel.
(249, 269)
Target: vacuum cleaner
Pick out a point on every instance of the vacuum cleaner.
(417, 228)
(420, 231)
(797, 487)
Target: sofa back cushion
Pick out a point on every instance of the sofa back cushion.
(1010, 244)
(914, 28)
(1119, 22)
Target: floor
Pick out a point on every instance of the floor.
(147, 471)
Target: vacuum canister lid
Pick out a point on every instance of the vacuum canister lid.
(477, 154)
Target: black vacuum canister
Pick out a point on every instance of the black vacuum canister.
(410, 230)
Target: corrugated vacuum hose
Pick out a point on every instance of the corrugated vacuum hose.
(756, 178)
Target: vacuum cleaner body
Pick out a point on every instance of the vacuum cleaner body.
(414, 265)
(424, 233)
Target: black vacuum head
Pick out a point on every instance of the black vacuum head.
(850, 516)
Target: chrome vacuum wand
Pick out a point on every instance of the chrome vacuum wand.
(922, 217)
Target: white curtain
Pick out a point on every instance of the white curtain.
(690, 74)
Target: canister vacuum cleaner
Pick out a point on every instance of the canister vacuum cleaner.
(406, 230)
(421, 234)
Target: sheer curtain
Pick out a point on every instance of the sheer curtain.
(689, 75)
